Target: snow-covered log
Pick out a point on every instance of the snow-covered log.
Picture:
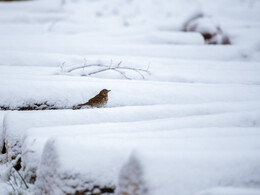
(189, 172)
(15, 123)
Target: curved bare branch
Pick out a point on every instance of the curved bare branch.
(117, 68)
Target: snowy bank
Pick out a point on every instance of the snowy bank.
(168, 172)
(15, 123)
(230, 191)
(99, 160)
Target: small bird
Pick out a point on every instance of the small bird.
(98, 101)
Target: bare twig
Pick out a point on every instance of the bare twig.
(98, 71)
(22, 179)
(62, 66)
(53, 24)
(122, 73)
(119, 64)
(15, 182)
(106, 69)
(121, 70)
(10, 183)
(147, 69)
(84, 66)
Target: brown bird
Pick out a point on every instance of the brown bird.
(98, 101)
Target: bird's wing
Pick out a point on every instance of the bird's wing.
(95, 100)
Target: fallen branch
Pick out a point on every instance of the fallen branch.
(85, 66)
(120, 69)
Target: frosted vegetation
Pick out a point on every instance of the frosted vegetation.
(183, 114)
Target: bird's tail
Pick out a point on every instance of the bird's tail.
(76, 107)
(79, 106)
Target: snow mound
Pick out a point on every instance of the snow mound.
(230, 191)
(93, 167)
(189, 126)
(163, 172)
(178, 158)
(1, 129)
(176, 128)
(15, 123)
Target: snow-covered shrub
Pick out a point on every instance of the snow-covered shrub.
(211, 32)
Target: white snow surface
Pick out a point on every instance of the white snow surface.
(198, 115)
(229, 191)
(190, 127)
(194, 152)
(197, 170)
(2, 113)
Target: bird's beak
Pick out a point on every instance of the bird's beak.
(108, 90)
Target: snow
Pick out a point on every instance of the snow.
(179, 116)
(191, 126)
(77, 174)
(1, 128)
(229, 191)
(195, 155)
(36, 138)
(197, 170)
(5, 189)
(66, 93)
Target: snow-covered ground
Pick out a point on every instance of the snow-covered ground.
(183, 118)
